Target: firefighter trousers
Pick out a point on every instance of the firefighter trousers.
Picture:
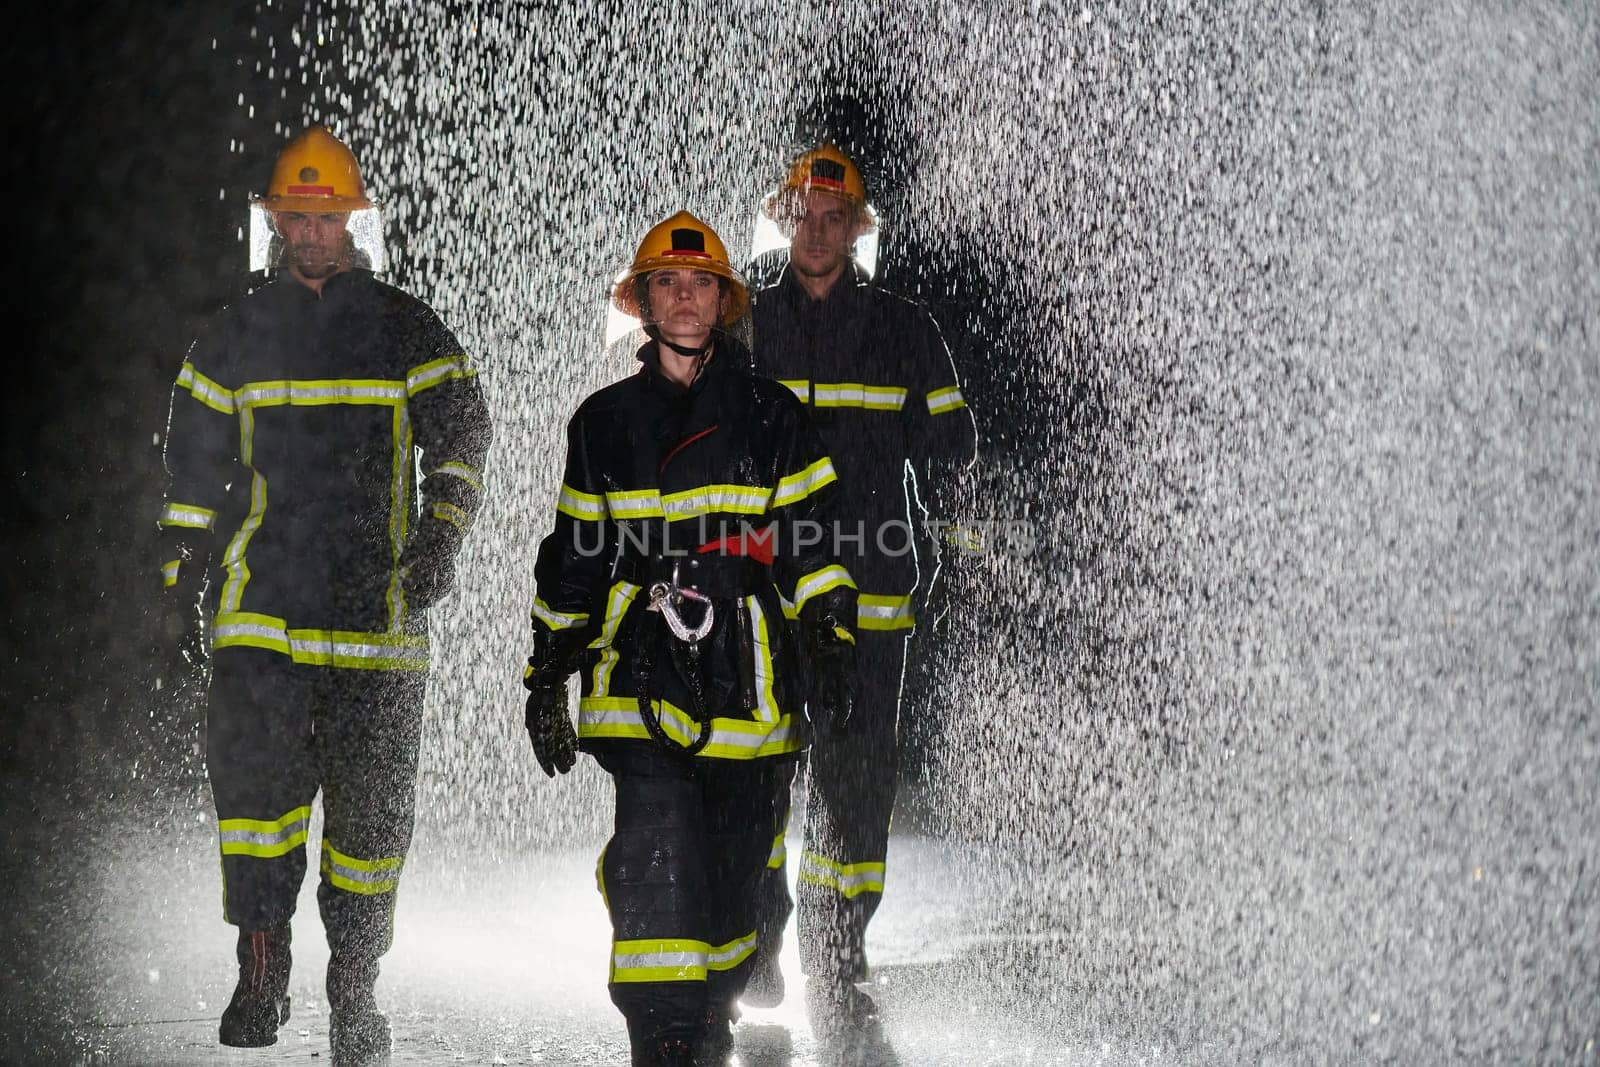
(850, 796)
(679, 877)
(276, 732)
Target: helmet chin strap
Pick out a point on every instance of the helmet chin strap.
(653, 331)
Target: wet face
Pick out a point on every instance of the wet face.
(825, 231)
(685, 304)
(314, 242)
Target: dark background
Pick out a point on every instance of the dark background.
(122, 123)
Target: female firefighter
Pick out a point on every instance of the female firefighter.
(689, 522)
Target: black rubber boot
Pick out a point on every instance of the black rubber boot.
(357, 1031)
(260, 1001)
(673, 1052)
(837, 1006)
(716, 1044)
(765, 988)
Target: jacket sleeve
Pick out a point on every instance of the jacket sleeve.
(575, 557)
(942, 436)
(201, 457)
(806, 553)
(450, 425)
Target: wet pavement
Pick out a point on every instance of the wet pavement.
(497, 959)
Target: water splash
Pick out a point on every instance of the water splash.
(1281, 332)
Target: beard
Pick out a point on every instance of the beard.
(315, 262)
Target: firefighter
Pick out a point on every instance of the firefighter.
(879, 382)
(294, 503)
(690, 510)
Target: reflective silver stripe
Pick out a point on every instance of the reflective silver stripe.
(883, 607)
(829, 577)
(799, 486)
(766, 701)
(850, 879)
(256, 837)
(720, 959)
(800, 387)
(256, 832)
(189, 516)
(470, 475)
(205, 390)
(942, 400)
(855, 394)
(320, 647)
(603, 716)
(376, 873)
(401, 467)
(634, 504)
(431, 374)
(617, 602)
(580, 505)
(259, 394)
(691, 502)
(632, 961)
(557, 620)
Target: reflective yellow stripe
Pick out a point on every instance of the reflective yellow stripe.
(614, 718)
(800, 387)
(326, 648)
(878, 612)
(634, 504)
(188, 516)
(943, 400)
(400, 479)
(367, 877)
(455, 516)
(818, 582)
(797, 487)
(320, 391)
(779, 853)
(580, 505)
(557, 620)
(676, 959)
(766, 700)
(470, 475)
(858, 395)
(688, 503)
(205, 390)
(849, 879)
(169, 573)
(428, 375)
(622, 594)
(264, 839)
(234, 555)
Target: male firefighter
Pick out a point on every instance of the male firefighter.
(294, 501)
(688, 512)
(883, 393)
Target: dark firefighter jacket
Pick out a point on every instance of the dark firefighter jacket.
(882, 392)
(719, 482)
(291, 456)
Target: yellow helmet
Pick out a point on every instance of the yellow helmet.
(315, 172)
(826, 170)
(682, 242)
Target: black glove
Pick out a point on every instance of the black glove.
(555, 745)
(429, 563)
(178, 651)
(832, 654)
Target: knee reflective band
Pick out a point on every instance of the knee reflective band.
(264, 839)
(367, 877)
(849, 879)
(672, 960)
(780, 852)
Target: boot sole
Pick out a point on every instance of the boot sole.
(251, 1040)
